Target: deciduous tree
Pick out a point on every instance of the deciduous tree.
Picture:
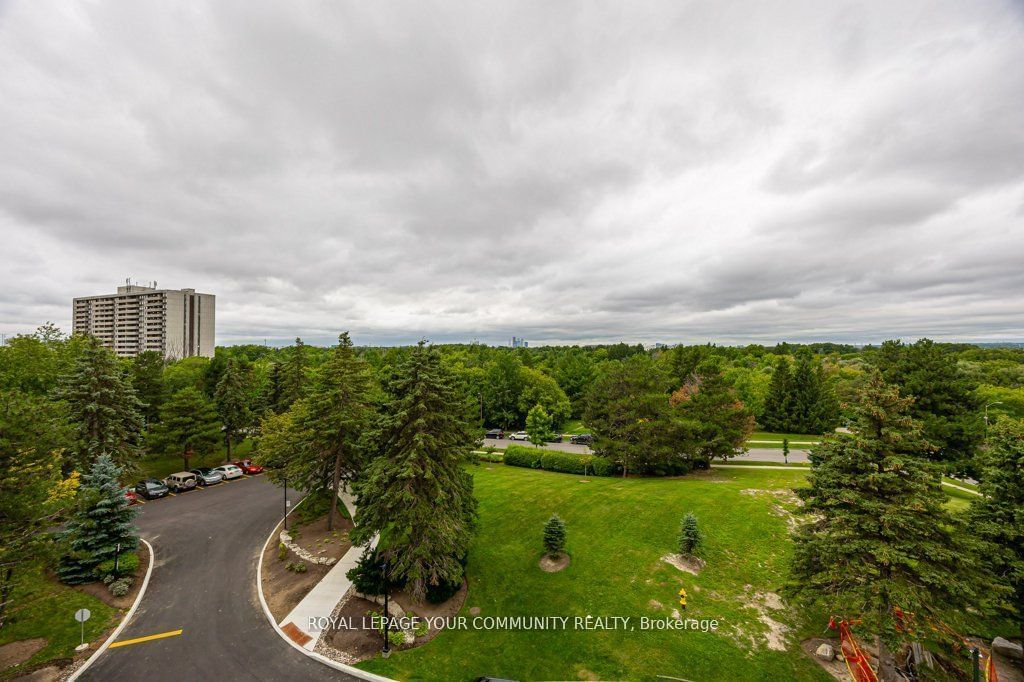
(538, 425)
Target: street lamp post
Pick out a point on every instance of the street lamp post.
(995, 402)
(286, 503)
(386, 651)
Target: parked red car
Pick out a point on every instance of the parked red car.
(248, 467)
(130, 496)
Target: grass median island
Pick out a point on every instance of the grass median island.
(618, 530)
(44, 609)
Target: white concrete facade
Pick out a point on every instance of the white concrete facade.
(178, 323)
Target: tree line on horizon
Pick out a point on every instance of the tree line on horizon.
(375, 416)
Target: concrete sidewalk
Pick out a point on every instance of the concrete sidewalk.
(304, 623)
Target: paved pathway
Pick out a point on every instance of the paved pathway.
(305, 622)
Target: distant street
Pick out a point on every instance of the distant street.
(753, 455)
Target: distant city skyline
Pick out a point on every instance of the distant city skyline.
(663, 172)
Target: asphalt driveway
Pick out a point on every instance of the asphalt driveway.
(204, 583)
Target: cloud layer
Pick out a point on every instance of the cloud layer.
(558, 171)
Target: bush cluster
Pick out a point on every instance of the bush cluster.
(565, 462)
(490, 456)
(121, 586)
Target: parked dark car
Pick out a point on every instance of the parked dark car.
(555, 438)
(208, 476)
(495, 433)
(582, 439)
(151, 489)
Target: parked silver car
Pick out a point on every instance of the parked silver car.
(208, 476)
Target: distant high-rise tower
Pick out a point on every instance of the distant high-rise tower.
(175, 323)
(520, 343)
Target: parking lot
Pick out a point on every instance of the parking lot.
(200, 617)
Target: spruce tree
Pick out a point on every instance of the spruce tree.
(102, 521)
(232, 396)
(103, 407)
(713, 421)
(336, 413)
(554, 536)
(999, 513)
(293, 375)
(538, 425)
(147, 376)
(775, 416)
(944, 400)
(188, 423)
(417, 494)
(690, 537)
(879, 536)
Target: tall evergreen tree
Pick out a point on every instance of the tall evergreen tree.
(776, 414)
(103, 408)
(337, 412)
(271, 400)
(232, 397)
(944, 400)
(103, 520)
(999, 512)
(812, 406)
(417, 494)
(147, 375)
(188, 423)
(628, 409)
(293, 379)
(879, 536)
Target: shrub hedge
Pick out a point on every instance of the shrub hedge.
(554, 460)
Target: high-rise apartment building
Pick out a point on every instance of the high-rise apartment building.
(176, 323)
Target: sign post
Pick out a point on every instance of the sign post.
(82, 615)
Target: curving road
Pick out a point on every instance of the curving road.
(204, 583)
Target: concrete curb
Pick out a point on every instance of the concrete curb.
(124, 621)
(354, 672)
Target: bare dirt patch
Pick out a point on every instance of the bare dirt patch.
(440, 611)
(360, 641)
(283, 589)
(554, 564)
(836, 668)
(775, 637)
(320, 542)
(16, 653)
(50, 673)
(690, 564)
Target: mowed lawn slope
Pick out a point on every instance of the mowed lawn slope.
(617, 531)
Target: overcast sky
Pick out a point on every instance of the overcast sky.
(675, 172)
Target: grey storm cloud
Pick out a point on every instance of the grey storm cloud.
(565, 172)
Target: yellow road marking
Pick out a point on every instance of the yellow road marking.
(139, 640)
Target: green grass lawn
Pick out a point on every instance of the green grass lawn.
(617, 531)
(45, 608)
(573, 426)
(162, 465)
(766, 439)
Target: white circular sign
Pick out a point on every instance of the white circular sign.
(82, 615)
